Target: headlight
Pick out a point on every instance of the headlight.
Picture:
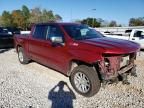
(107, 62)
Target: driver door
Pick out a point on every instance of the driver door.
(57, 56)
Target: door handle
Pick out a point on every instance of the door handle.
(133, 38)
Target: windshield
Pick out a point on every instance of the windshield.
(81, 32)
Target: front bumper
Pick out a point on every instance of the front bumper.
(113, 66)
(125, 69)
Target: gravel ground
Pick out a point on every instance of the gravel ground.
(36, 86)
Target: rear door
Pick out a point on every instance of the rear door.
(36, 44)
(42, 49)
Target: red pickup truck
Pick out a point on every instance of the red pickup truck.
(79, 52)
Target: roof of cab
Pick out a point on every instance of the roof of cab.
(58, 23)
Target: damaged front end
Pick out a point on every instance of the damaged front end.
(116, 67)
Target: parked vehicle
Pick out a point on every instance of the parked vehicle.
(136, 35)
(13, 30)
(6, 39)
(79, 52)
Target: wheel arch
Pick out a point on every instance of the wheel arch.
(74, 62)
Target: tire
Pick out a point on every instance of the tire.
(87, 78)
(22, 57)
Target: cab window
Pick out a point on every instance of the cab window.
(54, 31)
(40, 32)
(139, 34)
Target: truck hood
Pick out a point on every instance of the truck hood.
(113, 46)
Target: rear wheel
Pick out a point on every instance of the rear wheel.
(85, 80)
(22, 57)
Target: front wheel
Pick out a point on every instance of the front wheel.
(85, 80)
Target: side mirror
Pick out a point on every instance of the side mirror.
(55, 39)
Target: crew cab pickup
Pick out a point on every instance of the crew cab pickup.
(136, 35)
(84, 55)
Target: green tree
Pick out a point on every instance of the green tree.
(1, 21)
(6, 19)
(35, 16)
(42, 16)
(136, 21)
(113, 24)
(18, 19)
(50, 15)
(92, 22)
(26, 15)
(58, 18)
(119, 25)
(47, 16)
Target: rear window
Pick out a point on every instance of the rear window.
(40, 32)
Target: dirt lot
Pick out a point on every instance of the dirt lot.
(35, 86)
